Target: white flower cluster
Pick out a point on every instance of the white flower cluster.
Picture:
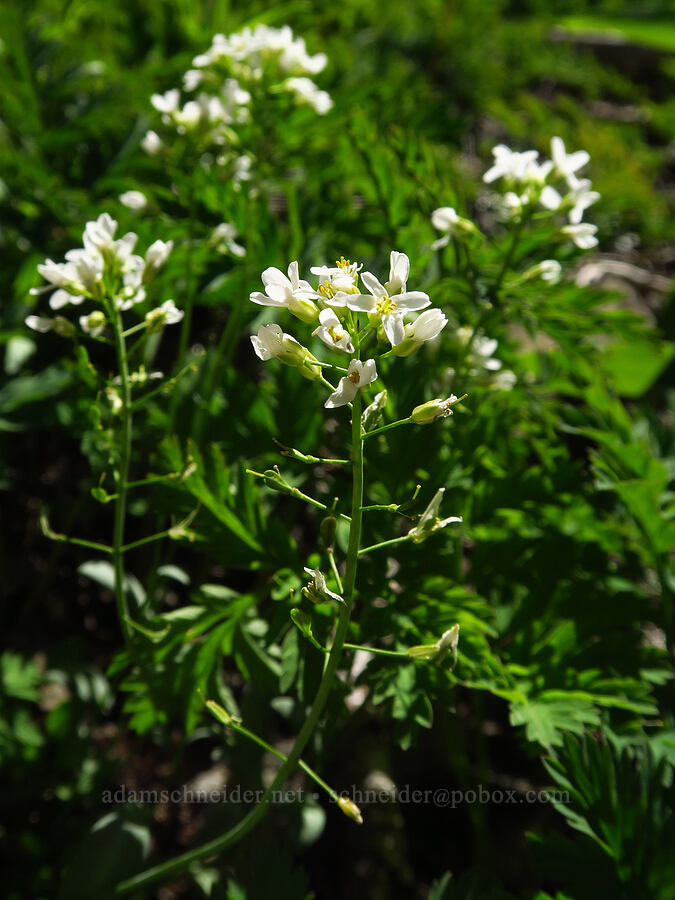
(553, 184)
(345, 318)
(482, 360)
(236, 73)
(107, 272)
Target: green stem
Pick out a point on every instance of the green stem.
(389, 543)
(122, 473)
(377, 652)
(391, 425)
(217, 845)
(240, 729)
(334, 569)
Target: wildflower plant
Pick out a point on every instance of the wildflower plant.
(362, 320)
(108, 283)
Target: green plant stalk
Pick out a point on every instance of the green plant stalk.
(389, 543)
(212, 848)
(122, 473)
(240, 729)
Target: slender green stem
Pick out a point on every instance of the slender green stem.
(391, 425)
(122, 473)
(389, 543)
(240, 729)
(217, 845)
(334, 569)
(377, 652)
(147, 540)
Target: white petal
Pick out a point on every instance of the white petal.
(373, 285)
(263, 300)
(412, 301)
(399, 267)
(393, 328)
(345, 393)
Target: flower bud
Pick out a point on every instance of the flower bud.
(220, 713)
(304, 309)
(327, 530)
(433, 409)
(349, 808)
(94, 323)
(63, 327)
(275, 480)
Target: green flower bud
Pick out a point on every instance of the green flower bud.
(327, 530)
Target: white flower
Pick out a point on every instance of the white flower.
(336, 281)
(192, 79)
(505, 380)
(332, 332)
(151, 143)
(307, 91)
(292, 292)
(582, 234)
(224, 238)
(272, 343)
(156, 255)
(390, 301)
(166, 103)
(550, 198)
(93, 324)
(358, 375)
(581, 196)
(134, 200)
(429, 521)
(550, 271)
(166, 314)
(61, 298)
(59, 325)
(509, 164)
(316, 590)
(40, 323)
(446, 219)
(427, 326)
(566, 164)
(100, 234)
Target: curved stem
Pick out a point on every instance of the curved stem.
(212, 848)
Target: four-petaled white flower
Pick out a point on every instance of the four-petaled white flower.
(389, 301)
(581, 196)
(332, 332)
(359, 375)
(296, 295)
(514, 165)
(582, 234)
(566, 164)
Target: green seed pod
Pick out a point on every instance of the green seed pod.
(327, 530)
